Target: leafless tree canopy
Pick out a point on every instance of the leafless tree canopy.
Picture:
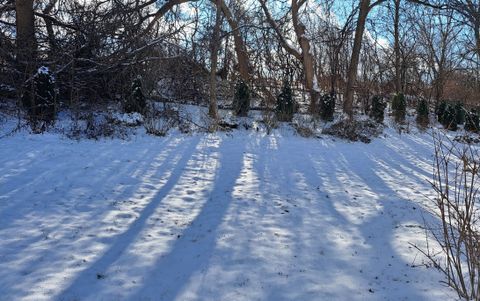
(196, 50)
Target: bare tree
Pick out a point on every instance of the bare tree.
(470, 12)
(305, 55)
(437, 34)
(365, 8)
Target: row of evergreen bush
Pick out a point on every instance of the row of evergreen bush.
(450, 115)
(286, 105)
(39, 100)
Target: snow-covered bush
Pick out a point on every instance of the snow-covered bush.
(285, 104)
(327, 106)
(159, 122)
(128, 119)
(95, 125)
(39, 100)
(241, 99)
(270, 120)
(305, 126)
(356, 130)
(422, 113)
(137, 101)
(377, 111)
(399, 107)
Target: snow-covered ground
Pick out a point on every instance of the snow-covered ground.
(241, 216)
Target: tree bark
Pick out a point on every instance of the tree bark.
(353, 67)
(213, 108)
(305, 56)
(49, 27)
(26, 41)
(240, 48)
(398, 79)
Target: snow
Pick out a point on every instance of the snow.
(43, 70)
(134, 118)
(227, 216)
(315, 84)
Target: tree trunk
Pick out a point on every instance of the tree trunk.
(213, 109)
(240, 48)
(26, 42)
(398, 77)
(352, 69)
(307, 59)
(49, 27)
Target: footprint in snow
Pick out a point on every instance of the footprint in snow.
(124, 215)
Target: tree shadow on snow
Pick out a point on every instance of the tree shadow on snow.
(88, 277)
(190, 253)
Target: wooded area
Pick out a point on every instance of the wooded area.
(198, 51)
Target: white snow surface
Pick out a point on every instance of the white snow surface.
(43, 70)
(237, 216)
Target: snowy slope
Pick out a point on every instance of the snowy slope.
(215, 217)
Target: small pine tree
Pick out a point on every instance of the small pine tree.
(449, 120)
(422, 113)
(472, 121)
(459, 113)
(399, 107)
(137, 101)
(377, 111)
(440, 110)
(39, 100)
(285, 103)
(241, 100)
(328, 106)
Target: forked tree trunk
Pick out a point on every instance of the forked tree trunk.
(307, 58)
(240, 48)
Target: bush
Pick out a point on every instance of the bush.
(422, 113)
(269, 120)
(327, 106)
(449, 119)
(95, 125)
(39, 100)
(241, 100)
(159, 122)
(440, 110)
(285, 103)
(455, 182)
(354, 130)
(459, 113)
(377, 111)
(137, 101)
(399, 107)
(472, 123)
